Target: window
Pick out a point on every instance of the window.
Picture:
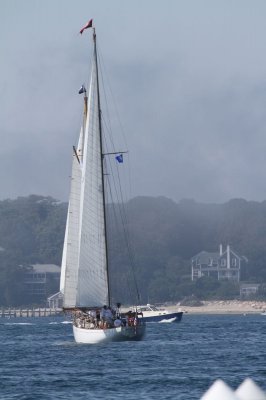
(223, 262)
(234, 262)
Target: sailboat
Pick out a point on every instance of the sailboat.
(85, 280)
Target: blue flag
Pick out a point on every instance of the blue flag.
(119, 158)
(82, 89)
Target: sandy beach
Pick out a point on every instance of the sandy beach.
(226, 307)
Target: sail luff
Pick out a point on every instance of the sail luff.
(64, 256)
(102, 159)
(72, 236)
(81, 138)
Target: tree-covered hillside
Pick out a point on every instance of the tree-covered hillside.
(32, 228)
(163, 236)
(31, 231)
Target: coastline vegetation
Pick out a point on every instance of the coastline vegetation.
(164, 235)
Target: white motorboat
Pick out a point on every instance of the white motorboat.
(154, 314)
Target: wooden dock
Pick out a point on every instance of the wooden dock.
(30, 312)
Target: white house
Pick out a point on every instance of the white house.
(225, 264)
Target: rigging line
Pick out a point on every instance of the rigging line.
(122, 209)
(129, 251)
(119, 198)
(132, 295)
(111, 92)
(124, 220)
(118, 178)
(109, 124)
(117, 173)
(108, 115)
(117, 223)
(109, 129)
(101, 62)
(122, 197)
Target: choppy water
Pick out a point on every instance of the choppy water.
(39, 359)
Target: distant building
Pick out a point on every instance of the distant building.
(221, 265)
(248, 289)
(42, 280)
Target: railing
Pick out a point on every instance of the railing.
(29, 312)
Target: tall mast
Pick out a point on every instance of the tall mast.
(102, 166)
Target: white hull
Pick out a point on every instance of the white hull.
(122, 333)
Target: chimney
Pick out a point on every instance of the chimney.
(228, 256)
(221, 249)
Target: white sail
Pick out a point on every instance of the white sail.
(72, 234)
(92, 287)
(85, 262)
(63, 263)
(71, 245)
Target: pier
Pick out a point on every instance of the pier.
(30, 312)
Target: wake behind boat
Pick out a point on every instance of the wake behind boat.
(153, 314)
(85, 275)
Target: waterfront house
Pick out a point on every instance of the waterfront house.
(224, 264)
(56, 300)
(248, 289)
(41, 280)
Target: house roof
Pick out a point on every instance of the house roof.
(205, 255)
(231, 251)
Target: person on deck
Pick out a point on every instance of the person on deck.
(117, 322)
(103, 312)
(109, 315)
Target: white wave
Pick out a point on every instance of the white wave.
(66, 322)
(65, 343)
(18, 323)
(167, 321)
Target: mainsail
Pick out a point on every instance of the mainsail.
(84, 279)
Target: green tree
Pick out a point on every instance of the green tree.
(12, 289)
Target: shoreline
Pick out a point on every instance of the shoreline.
(223, 307)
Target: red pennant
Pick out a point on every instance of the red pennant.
(88, 25)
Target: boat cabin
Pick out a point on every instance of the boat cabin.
(148, 307)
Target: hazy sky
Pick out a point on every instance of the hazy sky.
(189, 79)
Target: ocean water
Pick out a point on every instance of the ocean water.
(39, 359)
